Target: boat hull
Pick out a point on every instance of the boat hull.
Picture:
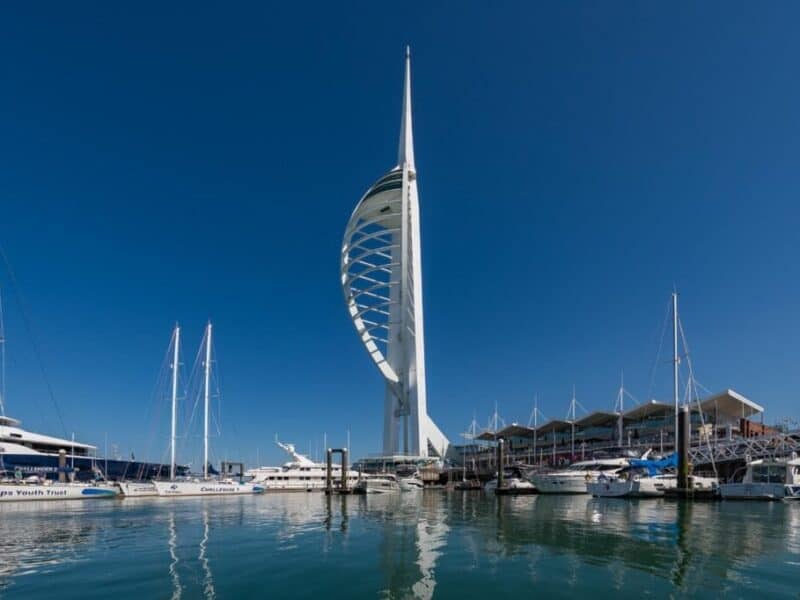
(113, 470)
(138, 489)
(301, 486)
(759, 491)
(367, 486)
(558, 484)
(37, 492)
(205, 488)
(511, 486)
(639, 488)
(411, 485)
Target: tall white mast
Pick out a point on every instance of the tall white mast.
(176, 344)
(675, 360)
(535, 423)
(572, 422)
(2, 363)
(621, 407)
(206, 395)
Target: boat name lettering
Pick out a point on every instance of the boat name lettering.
(32, 493)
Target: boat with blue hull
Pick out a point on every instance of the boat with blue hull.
(27, 453)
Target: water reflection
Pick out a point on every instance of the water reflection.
(690, 544)
(195, 562)
(173, 565)
(34, 540)
(413, 536)
(208, 580)
(426, 545)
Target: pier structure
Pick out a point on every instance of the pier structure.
(330, 488)
(381, 276)
(725, 436)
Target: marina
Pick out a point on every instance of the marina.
(235, 198)
(399, 545)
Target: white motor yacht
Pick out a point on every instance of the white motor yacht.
(513, 480)
(635, 482)
(573, 479)
(377, 484)
(410, 483)
(512, 483)
(301, 474)
(766, 479)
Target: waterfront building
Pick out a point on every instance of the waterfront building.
(381, 275)
(725, 427)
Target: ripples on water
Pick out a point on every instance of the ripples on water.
(432, 544)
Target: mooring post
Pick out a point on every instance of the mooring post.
(684, 431)
(62, 465)
(500, 456)
(343, 486)
(329, 474)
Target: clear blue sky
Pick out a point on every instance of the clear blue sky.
(576, 160)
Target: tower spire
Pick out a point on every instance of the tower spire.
(406, 150)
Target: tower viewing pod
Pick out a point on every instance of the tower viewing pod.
(381, 271)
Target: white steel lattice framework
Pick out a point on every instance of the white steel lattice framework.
(381, 272)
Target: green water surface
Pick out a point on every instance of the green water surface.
(432, 544)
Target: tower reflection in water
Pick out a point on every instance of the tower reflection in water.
(413, 536)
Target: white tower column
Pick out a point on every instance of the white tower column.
(381, 274)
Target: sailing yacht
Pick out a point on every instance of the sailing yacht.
(300, 474)
(204, 486)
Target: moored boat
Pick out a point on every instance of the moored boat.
(301, 474)
(377, 484)
(766, 479)
(410, 483)
(573, 479)
(137, 489)
(47, 490)
(513, 483)
(205, 485)
(646, 478)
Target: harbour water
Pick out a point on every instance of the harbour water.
(434, 544)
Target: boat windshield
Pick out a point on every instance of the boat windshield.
(769, 474)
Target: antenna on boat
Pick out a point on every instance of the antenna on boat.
(206, 396)
(175, 357)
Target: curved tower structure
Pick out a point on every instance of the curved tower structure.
(381, 270)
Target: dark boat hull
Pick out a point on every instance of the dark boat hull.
(85, 468)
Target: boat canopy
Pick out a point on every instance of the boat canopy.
(654, 467)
